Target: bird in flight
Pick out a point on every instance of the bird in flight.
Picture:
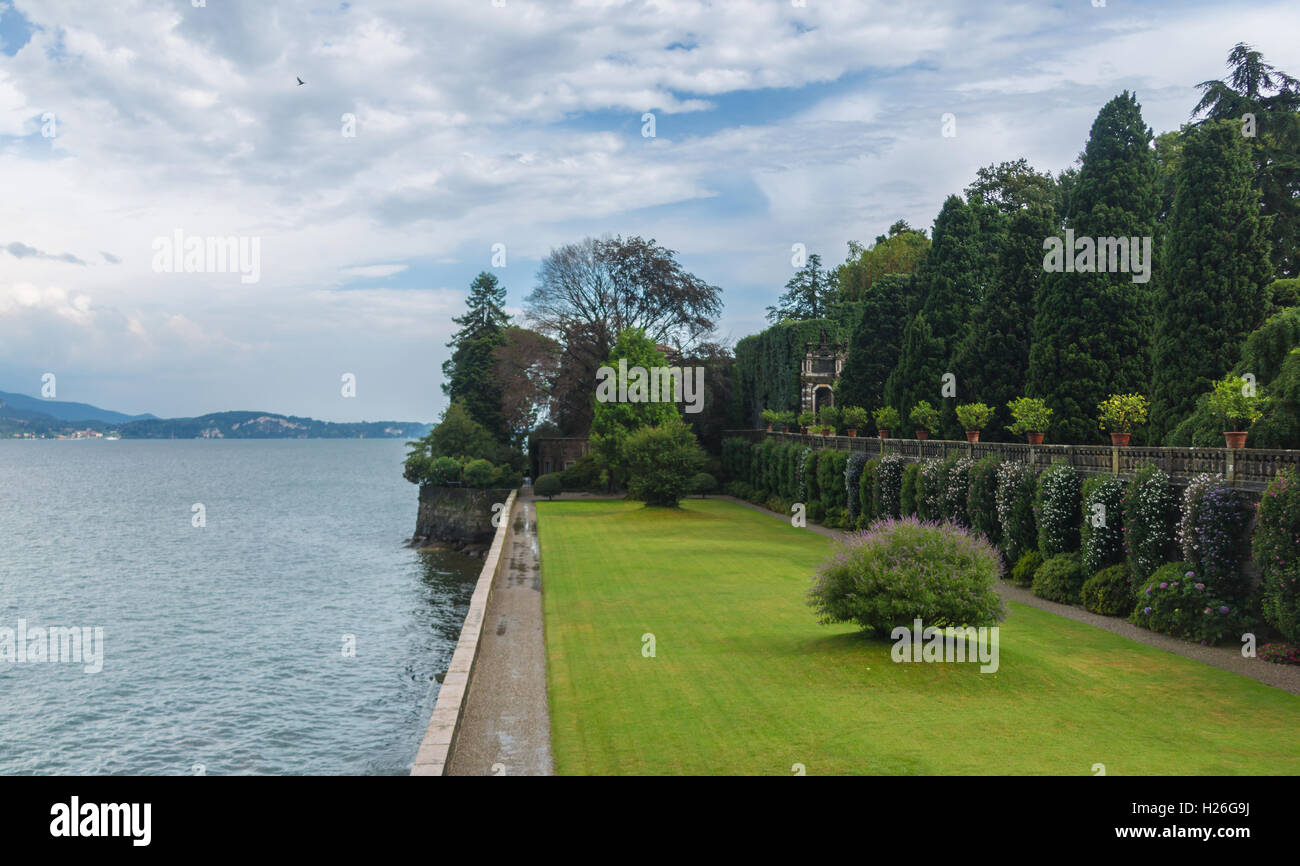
(301, 82)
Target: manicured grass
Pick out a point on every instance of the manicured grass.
(745, 680)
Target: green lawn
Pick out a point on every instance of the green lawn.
(746, 681)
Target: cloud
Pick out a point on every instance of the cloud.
(20, 250)
(375, 271)
(110, 258)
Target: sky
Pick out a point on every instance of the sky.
(478, 123)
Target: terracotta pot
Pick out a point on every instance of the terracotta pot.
(1120, 440)
(1035, 438)
(853, 432)
(1235, 439)
(803, 431)
(972, 435)
(922, 434)
(785, 428)
(769, 428)
(883, 432)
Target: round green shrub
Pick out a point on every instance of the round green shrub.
(703, 483)
(661, 462)
(477, 473)
(1177, 602)
(1060, 578)
(1056, 510)
(902, 570)
(1109, 592)
(1023, 572)
(443, 470)
(551, 486)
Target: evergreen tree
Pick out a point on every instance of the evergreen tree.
(468, 374)
(1091, 333)
(877, 341)
(993, 360)
(1213, 270)
(808, 295)
(901, 252)
(950, 281)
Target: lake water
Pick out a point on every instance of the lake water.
(225, 646)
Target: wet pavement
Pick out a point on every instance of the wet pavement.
(506, 727)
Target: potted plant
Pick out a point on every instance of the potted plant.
(973, 417)
(1234, 400)
(855, 419)
(1120, 414)
(886, 420)
(828, 430)
(926, 419)
(829, 416)
(1031, 417)
(770, 417)
(785, 420)
(806, 420)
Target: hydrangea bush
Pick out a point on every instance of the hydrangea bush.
(1102, 537)
(1150, 513)
(1177, 601)
(901, 570)
(1056, 508)
(1015, 503)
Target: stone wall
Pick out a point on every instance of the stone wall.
(459, 517)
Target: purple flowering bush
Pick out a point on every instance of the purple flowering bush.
(1150, 513)
(1276, 550)
(899, 570)
(1181, 603)
(1213, 534)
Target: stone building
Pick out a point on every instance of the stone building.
(557, 453)
(821, 368)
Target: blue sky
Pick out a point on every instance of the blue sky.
(519, 125)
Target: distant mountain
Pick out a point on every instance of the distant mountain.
(62, 410)
(267, 425)
(21, 415)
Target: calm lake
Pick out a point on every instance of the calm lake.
(226, 647)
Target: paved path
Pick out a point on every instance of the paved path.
(506, 726)
(1228, 657)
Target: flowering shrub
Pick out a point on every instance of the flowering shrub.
(867, 493)
(929, 488)
(981, 498)
(899, 570)
(1103, 523)
(955, 489)
(801, 475)
(1056, 508)
(1280, 654)
(1178, 602)
(1109, 592)
(1015, 501)
(1060, 578)
(852, 481)
(1276, 550)
(1023, 573)
(1150, 511)
(889, 486)
(1212, 533)
(911, 481)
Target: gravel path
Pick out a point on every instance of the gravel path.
(1227, 657)
(506, 726)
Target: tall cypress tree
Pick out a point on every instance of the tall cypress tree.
(468, 373)
(877, 340)
(993, 360)
(1213, 270)
(1091, 331)
(950, 281)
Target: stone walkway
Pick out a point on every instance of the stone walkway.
(1227, 657)
(506, 724)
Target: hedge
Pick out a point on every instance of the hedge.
(1150, 514)
(1015, 503)
(1056, 509)
(1276, 550)
(981, 498)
